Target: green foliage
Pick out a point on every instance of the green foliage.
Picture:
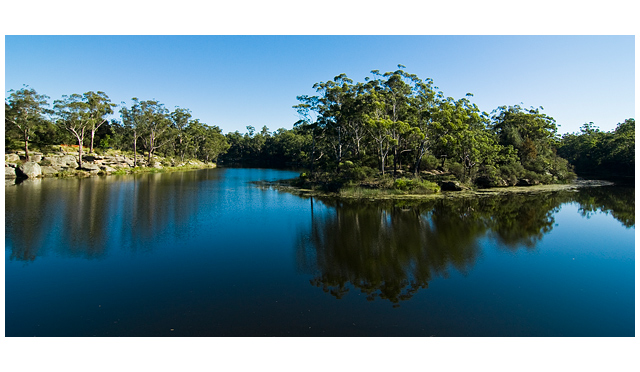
(351, 171)
(105, 142)
(24, 112)
(394, 123)
(415, 186)
(601, 154)
(457, 169)
(430, 162)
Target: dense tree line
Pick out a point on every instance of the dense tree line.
(396, 122)
(146, 128)
(601, 154)
(393, 123)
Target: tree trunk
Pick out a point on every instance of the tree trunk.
(395, 161)
(421, 152)
(26, 145)
(381, 159)
(135, 150)
(91, 146)
(313, 149)
(80, 140)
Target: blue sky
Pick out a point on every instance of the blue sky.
(236, 81)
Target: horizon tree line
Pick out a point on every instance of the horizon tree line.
(392, 123)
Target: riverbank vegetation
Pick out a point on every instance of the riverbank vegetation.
(598, 154)
(395, 125)
(146, 132)
(394, 131)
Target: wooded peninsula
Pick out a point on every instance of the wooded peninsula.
(394, 132)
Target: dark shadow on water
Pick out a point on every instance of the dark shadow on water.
(390, 250)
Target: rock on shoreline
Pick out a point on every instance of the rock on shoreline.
(57, 164)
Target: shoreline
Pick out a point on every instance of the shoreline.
(65, 165)
(285, 186)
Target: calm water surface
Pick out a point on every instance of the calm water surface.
(205, 253)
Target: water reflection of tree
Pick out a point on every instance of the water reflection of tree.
(521, 220)
(618, 201)
(87, 217)
(390, 251)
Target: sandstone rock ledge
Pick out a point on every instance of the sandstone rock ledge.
(66, 164)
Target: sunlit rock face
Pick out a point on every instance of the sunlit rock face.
(30, 169)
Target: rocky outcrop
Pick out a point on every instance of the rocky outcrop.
(30, 169)
(107, 169)
(11, 158)
(90, 167)
(65, 164)
(48, 170)
(63, 161)
(9, 172)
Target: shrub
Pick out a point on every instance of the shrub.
(457, 169)
(357, 173)
(430, 162)
(415, 186)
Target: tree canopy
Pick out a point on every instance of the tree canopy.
(392, 124)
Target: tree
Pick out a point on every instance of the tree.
(396, 90)
(74, 115)
(380, 126)
(602, 154)
(214, 144)
(24, 109)
(426, 103)
(179, 122)
(150, 122)
(132, 123)
(310, 122)
(528, 130)
(99, 106)
(330, 106)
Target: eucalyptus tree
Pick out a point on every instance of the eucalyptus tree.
(132, 122)
(397, 91)
(604, 154)
(73, 113)
(205, 142)
(214, 144)
(355, 119)
(99, 106)
(310, 122)
(149, 121)
(529, 131)
(333, 95)
(379, 124)
(426, 103)
(463, 135)
(24, 109)
(534, 136)
(179, 122)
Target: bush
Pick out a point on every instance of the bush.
(511, 172)
(415, 186)
(351, 171)
(430, 162)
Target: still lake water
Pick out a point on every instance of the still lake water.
(205, 253)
